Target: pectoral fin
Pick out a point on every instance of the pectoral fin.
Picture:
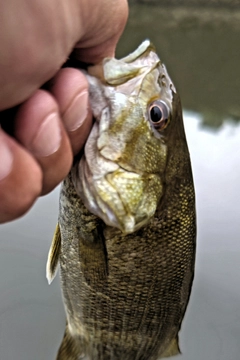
(93, 257)
(53, 255)
(172, 350)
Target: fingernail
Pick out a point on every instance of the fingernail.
(6, 159)
(48, 137)
(77, 112)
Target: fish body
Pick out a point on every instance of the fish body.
(126, 232)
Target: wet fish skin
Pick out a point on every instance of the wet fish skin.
(125, 293)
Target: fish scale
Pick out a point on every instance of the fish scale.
(126, 285)
(122, 295)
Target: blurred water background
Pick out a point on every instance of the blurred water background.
(201, 49)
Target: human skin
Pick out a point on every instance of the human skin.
(50, 125)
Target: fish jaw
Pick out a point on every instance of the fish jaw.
(122, 199)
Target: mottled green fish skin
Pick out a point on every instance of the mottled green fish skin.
(125, 295)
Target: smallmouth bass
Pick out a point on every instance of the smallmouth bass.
(125, 238)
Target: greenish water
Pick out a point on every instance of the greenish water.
(201, 52)
(200, 48)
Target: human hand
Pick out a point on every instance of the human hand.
(49, 126)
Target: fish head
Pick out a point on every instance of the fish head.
(121, 176)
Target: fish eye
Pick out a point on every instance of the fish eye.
(159, 114)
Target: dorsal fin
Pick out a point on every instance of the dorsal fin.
(53, 255)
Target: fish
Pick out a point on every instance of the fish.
(126, 233)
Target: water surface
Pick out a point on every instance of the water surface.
(201, 52)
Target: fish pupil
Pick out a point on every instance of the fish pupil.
(156, 114)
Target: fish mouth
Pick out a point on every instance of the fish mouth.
(117, 197)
